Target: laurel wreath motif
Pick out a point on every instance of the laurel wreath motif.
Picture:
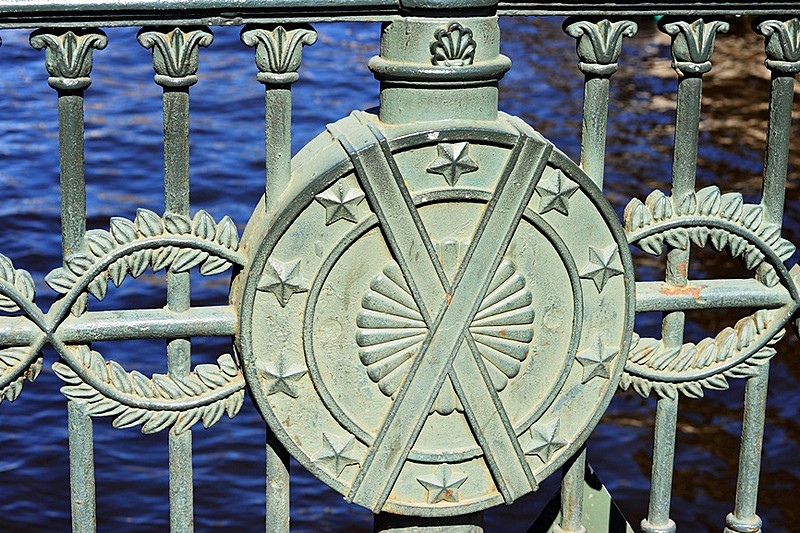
(17, 363)
(104, 388)
(14, 360)
(174, 242)
(724, 221)
(709, 354)
(727, 223)
(157, 402)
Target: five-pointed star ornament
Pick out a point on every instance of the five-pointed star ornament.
(452, 160)
(543, 440)
(337, 453)
(282, 279)
(599, 268)
(596, 360)
(340, 203)
(555, 190)
(281, 377)
(442, 485)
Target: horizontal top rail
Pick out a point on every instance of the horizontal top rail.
(71, 13)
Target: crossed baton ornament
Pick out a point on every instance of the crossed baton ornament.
(379, 455)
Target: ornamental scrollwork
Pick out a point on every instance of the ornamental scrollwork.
(174, 242)
(17, 363)
(175, 53)
(278, 51)
(691, 368)
(68, 56)
(13, 360)
(20, 280)
(104, 388)
(724, 221)
(727, 223)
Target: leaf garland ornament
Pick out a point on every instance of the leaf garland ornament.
(724, 221)
(157, 402)
(727, 223)
(172, 242)
(10, 359)
(16, 286)
(20, 280)
(652, 366)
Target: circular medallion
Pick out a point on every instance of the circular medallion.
(434, 320)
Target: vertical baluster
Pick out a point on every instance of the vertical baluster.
(175, 60)
(658, 520)
(783, 61)
(744, 519)
(278, 53)
(572, 494)
(692, 46)
(68, 58)
(599, 44)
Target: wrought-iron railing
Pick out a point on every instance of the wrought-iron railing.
(431, 306)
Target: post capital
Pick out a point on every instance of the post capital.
(279, 51)
(692, 43)
(175, 53)
(599, 42)
(782, 43)
(68, 55)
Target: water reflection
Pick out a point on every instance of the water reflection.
(544, 87)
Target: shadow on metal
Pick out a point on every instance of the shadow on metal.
(600, 513)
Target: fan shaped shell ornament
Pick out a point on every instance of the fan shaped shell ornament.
(453, 47)
(391, 329)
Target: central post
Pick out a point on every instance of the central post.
(424, 320)
(439, 69)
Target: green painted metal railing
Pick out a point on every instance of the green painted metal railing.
(442, 318)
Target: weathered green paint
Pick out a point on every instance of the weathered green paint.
(69, 63)
(175, 60)
(371, 426)
(278, 53)
(386, 286)
(572, 495)
(95, 13)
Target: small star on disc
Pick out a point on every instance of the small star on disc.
(340, 203)
(599, 268)
(555, 190)
(337, 453)
(543, 440)
(596, 360)
(280, 377)
(452, 160)
(442, 485)
(282, 279)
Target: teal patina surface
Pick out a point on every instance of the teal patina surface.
(431, 305)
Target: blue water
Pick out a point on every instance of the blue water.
(124, 171)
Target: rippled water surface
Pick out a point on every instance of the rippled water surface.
(124, 171)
